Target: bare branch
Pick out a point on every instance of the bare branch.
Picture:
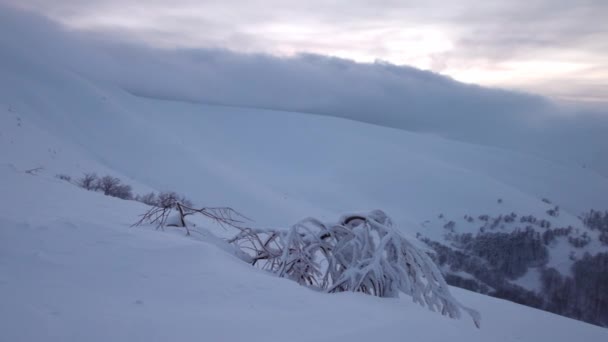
(224, 216)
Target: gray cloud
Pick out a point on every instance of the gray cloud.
(519, 22)
(484, 36)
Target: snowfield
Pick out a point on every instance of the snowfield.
(73, 270)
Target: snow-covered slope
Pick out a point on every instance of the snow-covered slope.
(276, 167)
(260, 161)
(71, 269)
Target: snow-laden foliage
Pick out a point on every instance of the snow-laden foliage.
(360, 253)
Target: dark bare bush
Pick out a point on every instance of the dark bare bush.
(34, 171)
(450, 226)
(122, 191)
(176, 216)
(88, 181)
(169, 199)
(64, 177)
(112, 186)
(149, 199)
(107, 184)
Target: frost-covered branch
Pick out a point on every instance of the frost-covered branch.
(360, 253)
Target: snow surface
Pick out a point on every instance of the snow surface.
(73, 270)
(531, 280)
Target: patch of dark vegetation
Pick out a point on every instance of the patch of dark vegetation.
(553, 212)
(551, 235)
(488, 261)
(64, 177)
(596, 220)
(579, 241)
(584, 295)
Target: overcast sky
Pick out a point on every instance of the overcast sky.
(552, 47)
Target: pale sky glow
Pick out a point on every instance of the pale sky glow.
(529, 45)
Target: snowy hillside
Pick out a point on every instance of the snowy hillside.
(72, 270)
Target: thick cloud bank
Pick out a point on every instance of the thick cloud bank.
(379, 93)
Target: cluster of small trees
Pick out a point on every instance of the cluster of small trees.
(492, 259)
(486, 278)
(550, 235)
(510, 253)
(113, 186)
(491, 223)
(531, 219)
(596, 220)
(584, 294)
(579, 241)
(110, 186)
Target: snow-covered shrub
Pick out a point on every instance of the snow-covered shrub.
(360, 253)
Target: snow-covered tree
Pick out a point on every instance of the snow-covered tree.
(360, 253)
